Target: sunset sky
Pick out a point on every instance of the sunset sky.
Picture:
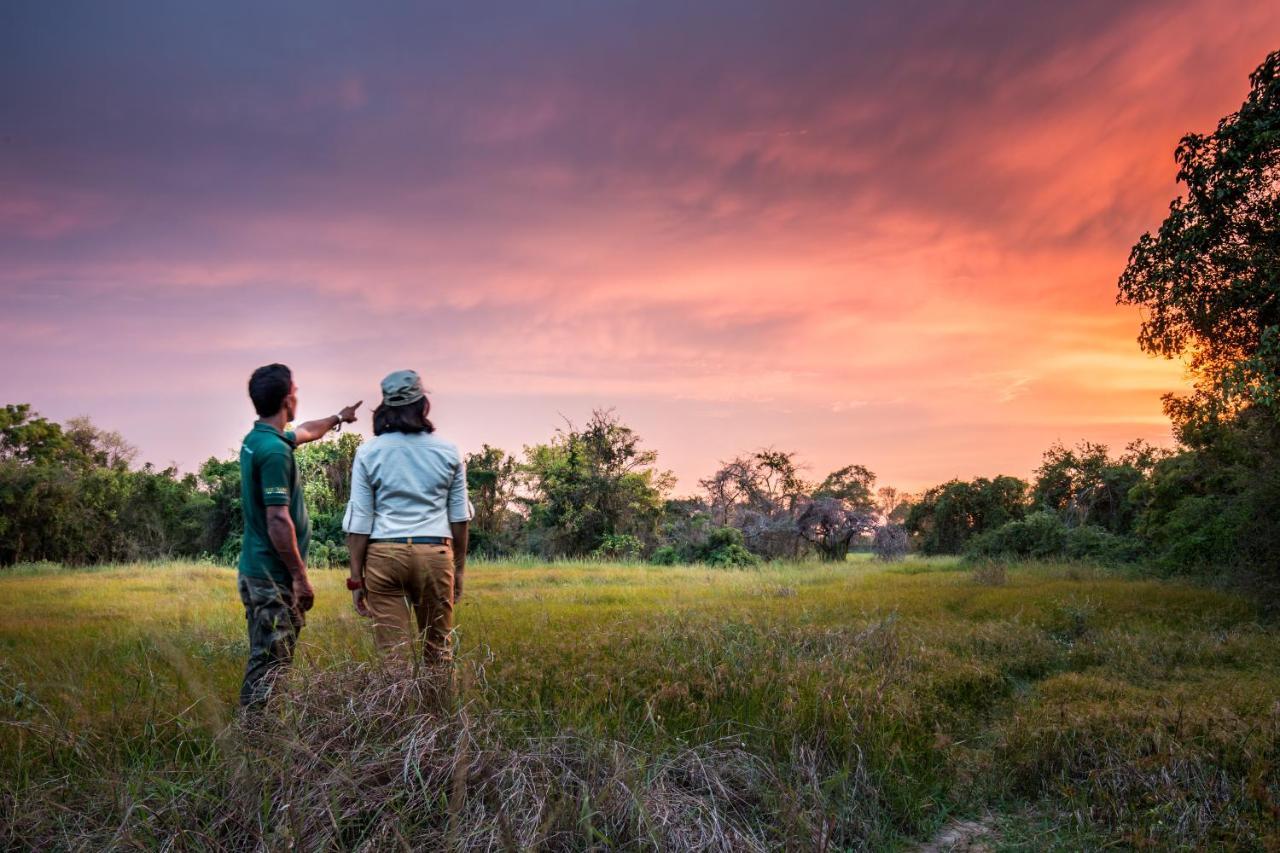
(884, 233)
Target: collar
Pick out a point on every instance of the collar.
(266, 427)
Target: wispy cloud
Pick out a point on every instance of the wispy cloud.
(854, 231)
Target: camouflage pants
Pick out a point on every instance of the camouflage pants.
(273, 632)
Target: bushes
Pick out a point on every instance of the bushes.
(329, 555)
(667, 555)
(725, 547)
(618, 546)
(1094, 543)
(94, 515)
(1039, 536)
(1044, 536)
(1211, 509)
(720, 546)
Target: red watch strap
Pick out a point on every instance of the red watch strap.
(354, 584)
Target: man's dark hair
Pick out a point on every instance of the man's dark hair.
(268, 386)
(406, 418)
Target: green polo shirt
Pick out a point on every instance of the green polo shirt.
(269, 477)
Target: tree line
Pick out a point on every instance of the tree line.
(70, 493)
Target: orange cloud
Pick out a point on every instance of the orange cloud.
(876, 240)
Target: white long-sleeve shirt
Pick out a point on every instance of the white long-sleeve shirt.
(407, 484)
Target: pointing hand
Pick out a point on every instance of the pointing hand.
(348, 414)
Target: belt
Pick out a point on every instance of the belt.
(415, 540)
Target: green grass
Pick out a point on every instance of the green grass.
(844, 706)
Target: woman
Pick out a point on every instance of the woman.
(406, 523)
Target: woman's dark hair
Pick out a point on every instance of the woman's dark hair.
(407, 418)
(268, 386)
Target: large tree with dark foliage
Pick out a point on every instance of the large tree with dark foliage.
(1086, 486)
(1209, 279)
(1208, 282)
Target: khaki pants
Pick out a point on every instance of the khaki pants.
(398, 576)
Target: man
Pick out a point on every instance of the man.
(273, 571)
(407, 524)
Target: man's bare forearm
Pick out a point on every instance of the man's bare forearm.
(460, 532)
(358, 547)
(284, 538)
(312, 430)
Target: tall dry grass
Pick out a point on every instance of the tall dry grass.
(366, 756)
(612, 707)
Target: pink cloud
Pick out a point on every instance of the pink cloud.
(913, 268)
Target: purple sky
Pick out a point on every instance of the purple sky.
(875, 233)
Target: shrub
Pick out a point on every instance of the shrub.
(1044, 536)
(890, 542)
(1095, 544)
(665, 556)
(229, 552)
(731, 555)
(725, 547)
(714, 546)
(327, 555)
(1038, 536)
(618, 546)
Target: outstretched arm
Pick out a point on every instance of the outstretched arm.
(311, 430)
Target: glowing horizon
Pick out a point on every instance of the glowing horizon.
(869, 234)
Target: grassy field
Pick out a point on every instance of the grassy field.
(608, 706)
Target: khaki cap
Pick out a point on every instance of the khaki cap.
(402, 388)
